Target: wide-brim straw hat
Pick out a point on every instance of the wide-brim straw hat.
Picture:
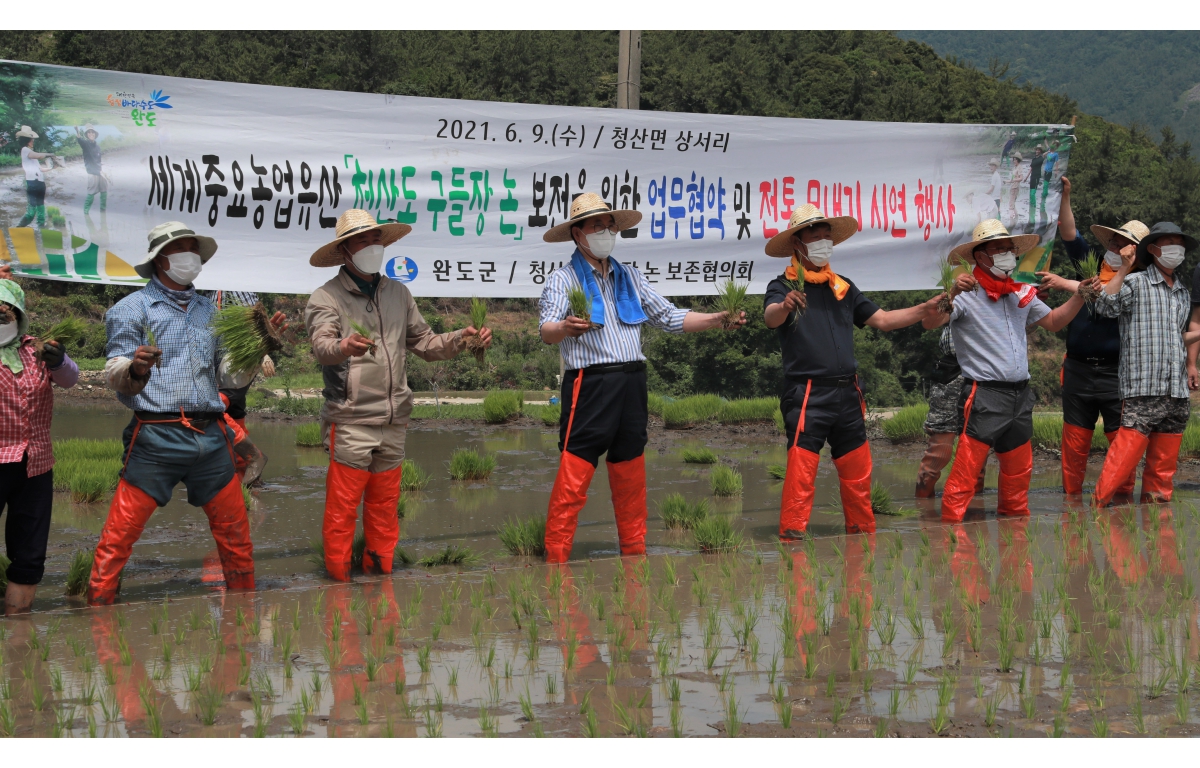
(993, 229)
(1132, 230)
(169, 232)
(26, 133)
(807, 215)
(589, 205)
(354, 222)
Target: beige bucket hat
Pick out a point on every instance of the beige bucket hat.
(169, 232)
(1133, 231)
(588, 206)
(841, 229)
(26, 133)
(992, 229)
(354, 222)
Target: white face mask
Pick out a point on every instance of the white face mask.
(1004, 263)
(1112, 259)
(185, 267)
(369, 259)
(819, 252)
(1171, 256)
(601, 243)
(8, 332)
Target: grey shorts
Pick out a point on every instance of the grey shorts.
(944, 417)
(96, 184)
(1155, 414)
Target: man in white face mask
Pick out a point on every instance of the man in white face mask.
(167, 366)
(604, 398)
(1153, 307)
(1090, 371)
(989, 321)
(367, 399)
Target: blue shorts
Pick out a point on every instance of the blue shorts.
(166, 454)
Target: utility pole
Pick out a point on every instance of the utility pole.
(629, 70)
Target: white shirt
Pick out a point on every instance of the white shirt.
(32, 168)
(990, 337)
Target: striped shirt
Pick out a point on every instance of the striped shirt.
(224, 299)
(1153, 318)
(615, 342)
(191, 354)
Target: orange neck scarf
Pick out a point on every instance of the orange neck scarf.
(822, 275)
(1106, 272)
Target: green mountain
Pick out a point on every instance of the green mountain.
(1147, 78)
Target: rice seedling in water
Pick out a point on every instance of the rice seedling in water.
(698, 456)
(478, 321)
(717, 534)
(731, 299)
(907, 425)
(309, 435)
(502, 406)
(777, 471)
(413, 477)
(579, 305)
(725, 481)
(208, 701)
(78, 572)
(468, 464)
(451, 555)
(247, 335)
(524, 538)
(677, 513)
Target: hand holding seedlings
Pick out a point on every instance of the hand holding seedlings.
(579, 314)
(146, 356)
(964, 283)
(359, 342)
(796, 300)
(477, 334)
(729, 305)
(947, 279)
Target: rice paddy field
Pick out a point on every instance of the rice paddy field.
(1069, 623)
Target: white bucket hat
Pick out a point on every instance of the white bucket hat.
(166, 233)
(26, 133)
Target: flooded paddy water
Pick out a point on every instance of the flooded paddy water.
(1067, 623)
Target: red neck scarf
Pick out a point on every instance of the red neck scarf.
(995, 287)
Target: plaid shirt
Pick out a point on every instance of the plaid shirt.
(615, 342)
(26, 405)
(191, 358)
(1153, 318)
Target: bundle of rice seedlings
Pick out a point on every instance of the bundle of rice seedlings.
(907, 425)
(66, 332)
(412, 476)
(152, 342)
(358, 547)
(365, 332)
(677, 513)
(478, 319)
(699, 456)
(79, 572)
(247, 497)
(717, 534)
(731, 299)
(524, 538)
(91, 485)
(748, 410)
(1089, 268)
(501, 406)
(881, 499)
(468, 464)
(247, 336)
(309, 435)
(777, 471)
(579, 305)
(725, 481)
(947, 274)
(551, 414)
(451, 555)
(798, 286)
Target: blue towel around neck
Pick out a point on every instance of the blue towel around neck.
(629, 304)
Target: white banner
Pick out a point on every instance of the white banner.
(267, 170)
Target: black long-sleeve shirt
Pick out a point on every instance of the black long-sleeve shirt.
(1089, 335)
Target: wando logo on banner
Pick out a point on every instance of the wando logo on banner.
(266, 171)
(401, 268)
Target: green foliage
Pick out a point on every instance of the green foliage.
(907, 425)
(677, 512)
(413, 477)
(468, 464)
(717, 534)
(699, 456)
(524, 538)
(501, 406)
(451, 555)
(725, 481)
(79, 571)
(1047, 433)
(1190, 445)
(548, 414)
(309, 435)
(465, 411)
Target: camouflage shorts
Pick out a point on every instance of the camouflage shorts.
(1155, 414)
(944, 415)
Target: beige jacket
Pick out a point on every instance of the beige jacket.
(372, 389)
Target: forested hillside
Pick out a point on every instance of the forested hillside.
(1118, 173)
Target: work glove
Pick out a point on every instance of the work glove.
(53, 353)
